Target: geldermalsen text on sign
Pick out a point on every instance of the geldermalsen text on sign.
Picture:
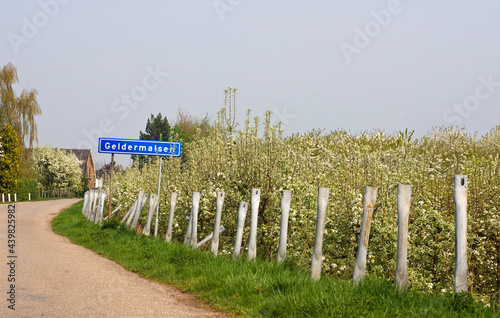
(140, 147)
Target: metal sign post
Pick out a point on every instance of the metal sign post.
(138, 147)
(158, 206)
(111, 172)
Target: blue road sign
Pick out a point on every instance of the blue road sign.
(139, 147)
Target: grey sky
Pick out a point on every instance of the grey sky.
(100, 66)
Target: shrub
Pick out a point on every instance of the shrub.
(25, 186)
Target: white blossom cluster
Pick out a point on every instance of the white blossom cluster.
(56, 169)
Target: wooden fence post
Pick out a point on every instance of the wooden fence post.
(252, 245)
(242, 214)
(173, 201)
(404, 202)
(460, 234)
(368, 207)
(317, 255)
(286, 198)
(218, 211)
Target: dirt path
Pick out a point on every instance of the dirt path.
(54, 278)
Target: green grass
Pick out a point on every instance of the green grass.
(256, 288)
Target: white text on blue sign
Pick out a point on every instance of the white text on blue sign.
(139, 147)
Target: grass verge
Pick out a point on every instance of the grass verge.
(256, 288)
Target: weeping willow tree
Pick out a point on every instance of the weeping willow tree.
(18, 111)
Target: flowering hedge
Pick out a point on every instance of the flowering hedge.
(57, 169)
(235, 161)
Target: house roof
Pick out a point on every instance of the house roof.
(82, 155)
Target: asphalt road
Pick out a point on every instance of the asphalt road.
(51, 277)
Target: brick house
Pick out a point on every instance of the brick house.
(87, 165)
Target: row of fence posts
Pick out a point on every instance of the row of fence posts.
(9, 197)
(93, 212)
(54, 192)
(93, 205)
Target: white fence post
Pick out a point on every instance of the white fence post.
(193, 238)
(130, 214)
(3, 197)
(114, 211)
(286, 198)
(460, 234)
(29, 196)
(317, 254)
(218, 211)
(210, 237)
(8, 197)
(242, 214)
(153, 204)
(86, 207)
(100, 206)
(173, 201)
(187, 237)
(141, 201)
(15, 197)
(252, 245)
(404, 202)
(85, 202)
(94, 205)
(136, 205)
(368, 207)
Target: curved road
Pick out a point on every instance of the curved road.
(55, 278)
